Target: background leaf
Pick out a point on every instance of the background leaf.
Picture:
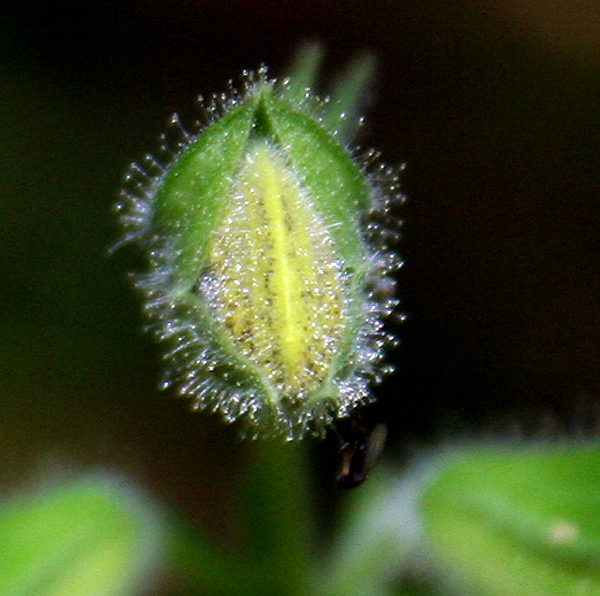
(91, 536)
(519, 521)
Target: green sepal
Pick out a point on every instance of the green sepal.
(303, 72)
(337, 186)
(189, 199)
(342, 114)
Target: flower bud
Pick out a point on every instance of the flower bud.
(265, 278)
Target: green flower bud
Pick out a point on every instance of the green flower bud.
(266, 278)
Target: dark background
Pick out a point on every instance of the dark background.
(495, 109)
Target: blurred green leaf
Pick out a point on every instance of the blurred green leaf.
(519, 521)
(89, 537)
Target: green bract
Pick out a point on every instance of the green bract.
(268, 266)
